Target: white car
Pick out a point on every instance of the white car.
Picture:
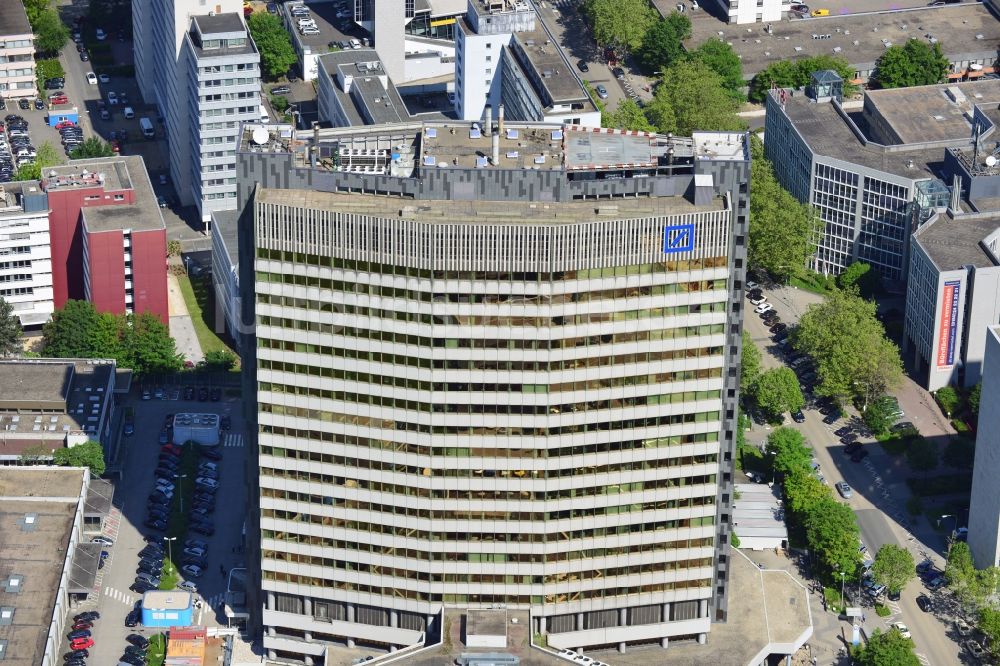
(355, 44)
(103, 540)
(100, 34)
(758, 301)
(751, 285)
(104, 78)
(763, 307)
(92, 78)
(113, 98)
(207, 482)
(901, 628)
(310, 31)
(188, 586)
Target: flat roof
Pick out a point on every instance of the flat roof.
(930, 113)
(758, 511)
(12, 198)
(551, 65)
(113, 173)
(486, 622)
(225, 223)
(37, 554)
(141, 216)
(380, 100)
(828, 134)
(954, 242)
(218, 23)
(216, 27)
(961, 29)
(13, 19)
(36, 384)
(166, 600)
(482, 212)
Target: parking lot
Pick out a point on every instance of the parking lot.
(141, 451)
(333, 25)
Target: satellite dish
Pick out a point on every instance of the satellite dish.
(991, 161)
(259, 136)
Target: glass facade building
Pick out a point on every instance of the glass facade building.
(465, 404)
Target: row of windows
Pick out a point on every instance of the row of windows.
(410, 271)
(480, 364)
(391, 424)
(485, 578)
(464, 387)
(409, 532)
(242, 67)
(465, 452)
(7, 265)
(626, 466)
(400, 592)
(439, 407)
(465, 556)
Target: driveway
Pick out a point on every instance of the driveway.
(880, 493)
(112, 597)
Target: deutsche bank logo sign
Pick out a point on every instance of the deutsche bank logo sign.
(678, 238)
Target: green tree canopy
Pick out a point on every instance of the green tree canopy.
(804, 492)
(788, 451)
(75, 331)
(832, 535)
(691, 97)
(91, 147)
(880, 415)
(777, 391)
(949, 400)
(629, 115)
(89, 454)
(886, 649)
(220, 359)
(662, 45)
(989, 624)
(273, 43)
(893, 567)
(861, 277)
(722, 59)
(11, 334)
(782, 229)
(50, 32)
(750, 365)
(798, 74)
(46, 156)
(145, 345)
(847, 342)
(916, 63)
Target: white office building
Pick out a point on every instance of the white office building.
(25, 252)
(168, 78)
(753, 11)
(984, 507)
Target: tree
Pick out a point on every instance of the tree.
(788, 451)
(91, 147)
(89, 454)
(750, 364)
(847, 342)
(798, 74)
(662, 45)
(880, 415)
(949, 400)
(989, 624)
(75, 331)
(697, 100)
(620, 24)
(782, 229)
(146, 346)
(886, 649)
(273, 43)
(220, 359)
(11, 334)
(50, 32)
(720, 57)
(960, 571)
(804, 492)
(777, 391)
(832, 535)
(629, 115)
(922, 455)
(916, 63)
(893, 567)
(861, 277)
(46, 156)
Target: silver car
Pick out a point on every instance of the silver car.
(844, 490)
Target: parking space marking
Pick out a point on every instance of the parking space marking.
(233, 440)
(116, 594)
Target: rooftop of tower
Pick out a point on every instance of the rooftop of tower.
(406, 148)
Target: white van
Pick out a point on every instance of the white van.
(128, 112)
(146, 125)
(264, 115)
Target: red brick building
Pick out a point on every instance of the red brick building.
(108, 238)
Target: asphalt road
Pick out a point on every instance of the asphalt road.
(878, 501)
(113, 599)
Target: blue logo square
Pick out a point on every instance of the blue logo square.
(678, 238)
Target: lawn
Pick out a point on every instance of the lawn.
(157, 650)
(200, 301)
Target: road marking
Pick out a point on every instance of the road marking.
(118, 595)
(233, 440)
(923, 660)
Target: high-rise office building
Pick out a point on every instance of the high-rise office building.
(196, 62)
(492, 365)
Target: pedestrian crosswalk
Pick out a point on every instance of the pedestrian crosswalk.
(125, 598)
(923, 660)
(216, 600)
(233, 440)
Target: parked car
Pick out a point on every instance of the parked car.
(281, 90)
(924, 603)
(583, 66)
(852, 448)
(844, 490)
(138, 640)
(207, 482)
(763, 307)
(133, 617)
(79, 633)
(205, 529)
(212, 453)
(81, 644)
(104, 541)
(798, 416)
(602, 92)
(87, 616)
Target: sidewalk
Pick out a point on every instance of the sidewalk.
(181, 328)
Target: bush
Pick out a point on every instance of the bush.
(734, 540)
(945, 484)
(949, 400)
(882, 611)
(279, 103)
(960, 425)
(832, 597)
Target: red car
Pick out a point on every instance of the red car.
(81, 644)
(172, 448)
(65, 123)
(59, 100)
(82, 625)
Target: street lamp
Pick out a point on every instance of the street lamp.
(170, 554)
(180, 490)
(843, 577)
(951, 537)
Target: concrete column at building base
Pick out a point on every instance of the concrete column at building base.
(702, 638)
(393, 648)
(666, 613)
(307, 635)
(621, 647)
(350, 612)
(664, 642)
(309, 660)
(271, 632)
(272, 655)
(703, 608)
(579, 622)
(542, 624)
(350, 642)
(622, 617)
